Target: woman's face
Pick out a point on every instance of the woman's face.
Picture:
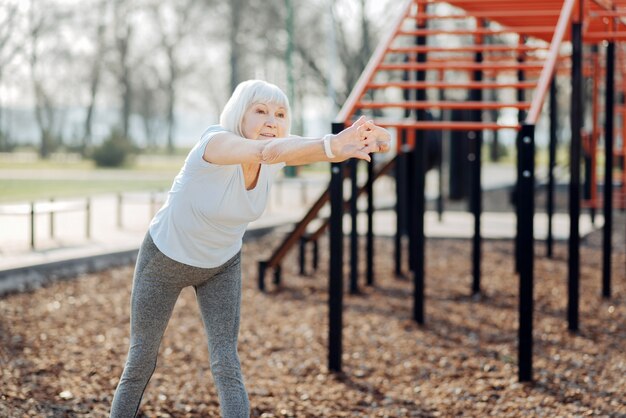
(265, 120)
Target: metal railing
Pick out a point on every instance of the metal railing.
(50, 208)
(53, 207)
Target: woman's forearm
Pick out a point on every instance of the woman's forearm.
(294, 151)
(357, 141)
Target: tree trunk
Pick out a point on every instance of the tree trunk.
(171, 101)
(95, 79)
(235, 47)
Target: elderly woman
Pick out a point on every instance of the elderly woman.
(195, 238)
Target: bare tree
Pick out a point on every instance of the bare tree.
(41, 32)
(176, 22)
(234, 40)
(123, 36)
(9, 49)
(95, 73)
(146, 103)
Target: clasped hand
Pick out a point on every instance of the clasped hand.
(360, 140)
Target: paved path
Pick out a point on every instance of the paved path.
(119, 229)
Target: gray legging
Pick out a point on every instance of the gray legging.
(157, 283)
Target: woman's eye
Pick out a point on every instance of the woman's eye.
(281, 115)
(262, 111)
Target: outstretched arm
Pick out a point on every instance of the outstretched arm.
(357, 141)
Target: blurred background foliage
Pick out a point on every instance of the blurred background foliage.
(104, 79)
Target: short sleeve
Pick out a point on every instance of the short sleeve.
(196, 155)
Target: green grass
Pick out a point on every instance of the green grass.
(30, 189)
(23, 177)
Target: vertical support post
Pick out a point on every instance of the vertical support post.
(476, 210)
(403, 182)
(591, 181)
(410, 199)
(316, 254)
(302, 257)
(526, 245)
(574, 186)
(609, 111)
(277, 275)
(52, 218)
(476, 193)
(440, 175)
(262, 270)
(335, 288)
(418, 247)
(400, 207)
(354, 233)
(370, 224)
(119, 210)
(88, 218)
(417, 239)
(521, 116)
(32, 225)
(401, 191)
(551, 164)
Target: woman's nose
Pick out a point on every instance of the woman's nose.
(270, 121)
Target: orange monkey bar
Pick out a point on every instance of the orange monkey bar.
(467, 48)
(466, 105)
(418, 85)
(461, 66)
(530, 30)
(495, 15)
(438, 126)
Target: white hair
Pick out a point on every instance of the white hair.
(245, 95)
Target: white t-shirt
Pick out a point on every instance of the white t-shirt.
(208, 208)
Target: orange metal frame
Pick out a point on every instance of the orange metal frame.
(546, 20)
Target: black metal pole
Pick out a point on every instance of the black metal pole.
(418, 244)
(440, 198)
(551, 164)
(335, 286)
(521, 116)
(401, 193)
(418, 240)
(476, 198)
(315, 255)
(609, 110)
(370, 225)
(262, 270)
(476, 210)
(402, 185)
(32, 225)
(526, 203)
(574, 186)
(303, 241)
(354, 233)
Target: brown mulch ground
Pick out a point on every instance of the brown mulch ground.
(63, 346)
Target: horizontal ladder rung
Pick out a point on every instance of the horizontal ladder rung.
(443, 105)
(606, 13)
(537, 30)
(601, 36)
(490, 60)
(444, 126)
(454, 66)
(457, 3)
(419, 85)
(468, 48)
(493, 14)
